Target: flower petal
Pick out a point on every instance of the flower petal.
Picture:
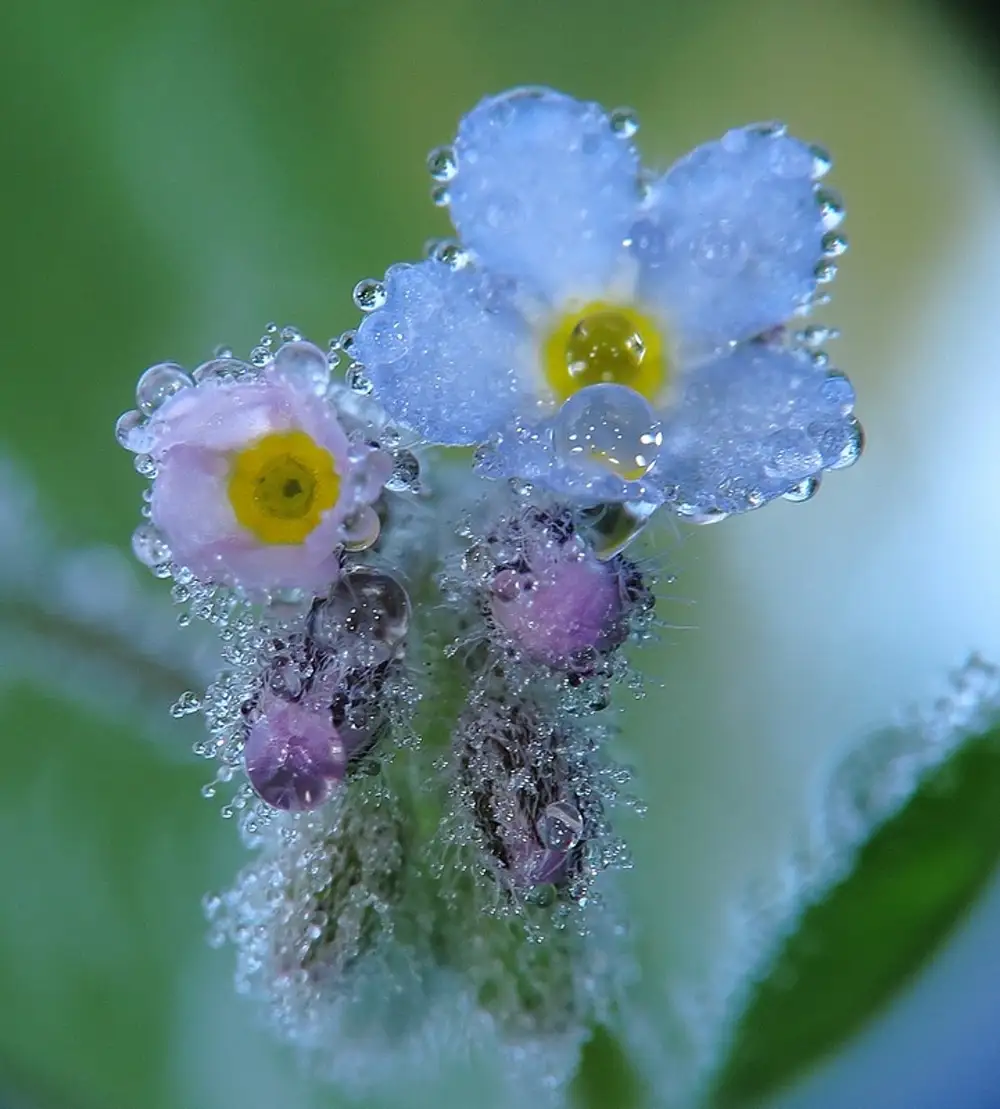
(752, 426)
(545, 192)
(732, 238)
(190, 506)
(445, 352)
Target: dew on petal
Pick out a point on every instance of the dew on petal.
(303, 365)
(608, 427)
(361, 529)
(369, 295)
(158, 384)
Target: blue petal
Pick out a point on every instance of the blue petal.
(528, 453)
(546, 191)
(751, 426)
(445, 352)
(734, 233)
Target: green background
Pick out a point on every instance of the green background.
(180, 172)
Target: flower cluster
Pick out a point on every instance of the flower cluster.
(419, 657)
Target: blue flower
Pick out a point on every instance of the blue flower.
(612, 335)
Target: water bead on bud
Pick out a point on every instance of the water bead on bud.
(303, 365)
(560, 827)
(368, 610)
(520, 792)
(608, 427)
(158, 384)
(294, 756)
(558, 603)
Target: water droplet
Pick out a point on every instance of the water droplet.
(221, 369)
(853, 447)
(615, 526)
(610, 427)
(451, 255)
(357, 380)
(833, 244)
(560, 827)
(806, 489)
(838, 392)
(825, 272)
(440, 196)
(291, 334)
(366, 604)
(361, 530)
(831, 208)
(769, 129)
(822, 162)
(346, 342)
(158, 384)
(815, 336)
(185, 705)
(145, 465)
(129, 431)
(405, 472)
(442, 164)
(149, 546)
(624, 122)
(304, 365)
(369, 295)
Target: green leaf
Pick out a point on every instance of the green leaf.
(912, 881)
(606, 1076)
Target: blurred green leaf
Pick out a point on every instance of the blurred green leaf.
(912, 881)
(605, 1076)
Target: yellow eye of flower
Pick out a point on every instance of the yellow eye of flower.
(281, 485)
(605, 343)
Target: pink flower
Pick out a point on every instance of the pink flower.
(257, 484)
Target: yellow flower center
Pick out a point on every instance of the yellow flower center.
(281, 485)
(605, 343)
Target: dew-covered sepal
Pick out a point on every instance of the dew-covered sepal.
(373, 939)
(313, 692)
(525, 785)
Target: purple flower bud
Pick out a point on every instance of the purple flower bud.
(294, 756)
(522, 796)
(555, 600)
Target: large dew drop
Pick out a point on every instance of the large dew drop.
(608, 427)
(158, 384)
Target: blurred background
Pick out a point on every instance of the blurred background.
(180, 172)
